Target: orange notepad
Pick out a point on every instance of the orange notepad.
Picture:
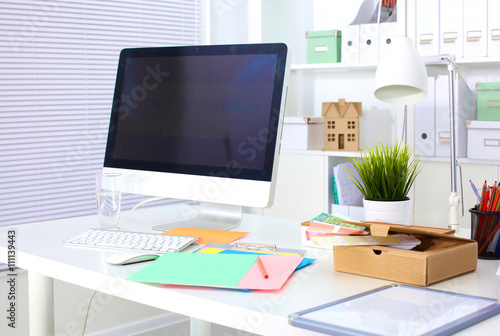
(207, 236)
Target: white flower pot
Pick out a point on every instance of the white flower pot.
(397, 212)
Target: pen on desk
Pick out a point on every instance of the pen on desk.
(262, 269)
(475, 191)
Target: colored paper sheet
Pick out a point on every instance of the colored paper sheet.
(304, 262)
(206, 249)
(321, 227)
(334, 220)
(279, 269)
(197, 269)
(355, 240)
(207, 236)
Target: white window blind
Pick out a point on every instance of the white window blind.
(58, 62)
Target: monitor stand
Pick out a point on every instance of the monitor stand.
(211, 216)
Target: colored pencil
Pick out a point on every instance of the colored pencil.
(486, 198)
(496, 202)
(475, 191)
(494, 209)
(492, 196)
(483, 207)
(262, 269)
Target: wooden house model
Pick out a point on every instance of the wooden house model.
(341, 125)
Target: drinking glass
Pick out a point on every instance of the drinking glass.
(108, 194)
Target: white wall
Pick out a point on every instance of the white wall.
(299, 188)
(432, 190)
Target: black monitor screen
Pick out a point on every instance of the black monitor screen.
(204, 110)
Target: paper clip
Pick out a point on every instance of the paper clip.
(255, 247)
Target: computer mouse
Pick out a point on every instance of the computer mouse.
(130, 257)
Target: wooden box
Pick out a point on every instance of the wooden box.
(437, 258)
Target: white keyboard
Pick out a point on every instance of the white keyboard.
(126, 240)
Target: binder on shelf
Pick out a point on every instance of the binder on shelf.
(387, 32)
(475, 40)
(427, 27)
(388, 25)
(350, 44)
(425, 123)
(493, 29)
(451, 18)
(368, 42)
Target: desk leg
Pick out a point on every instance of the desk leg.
(199, 327)
(41, 304)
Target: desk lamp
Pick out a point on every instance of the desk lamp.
(401, 79)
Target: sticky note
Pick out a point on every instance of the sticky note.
(207, 236)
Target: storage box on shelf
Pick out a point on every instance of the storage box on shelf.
(324, 46)
(483, 140)
(302, 133)
(488, 101)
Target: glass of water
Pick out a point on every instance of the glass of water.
(108, 194)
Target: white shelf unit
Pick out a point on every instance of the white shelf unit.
(373, 66)
(473, 70)
(308, 88)
(334, 66)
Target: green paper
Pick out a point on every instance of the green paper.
(196, 269)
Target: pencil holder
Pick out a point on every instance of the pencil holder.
(485, 230)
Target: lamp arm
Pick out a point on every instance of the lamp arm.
(450, 60)
(454, 197)
(440, 59)
(453, 217)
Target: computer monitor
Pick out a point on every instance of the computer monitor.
(200, 123)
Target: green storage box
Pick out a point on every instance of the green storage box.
(488, 101)
(324, 46)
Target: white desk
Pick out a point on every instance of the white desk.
(40, 251)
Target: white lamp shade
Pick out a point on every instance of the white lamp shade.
(401, 76)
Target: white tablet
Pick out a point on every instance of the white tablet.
(397, 310)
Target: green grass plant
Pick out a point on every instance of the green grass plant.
(387, 172)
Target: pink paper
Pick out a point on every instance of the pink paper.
(278, 267)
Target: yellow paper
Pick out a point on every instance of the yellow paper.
(211, 250)
(207, 236)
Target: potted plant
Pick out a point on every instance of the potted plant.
(386, 175)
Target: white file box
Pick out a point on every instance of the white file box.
(475, 25)
(427, 27)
